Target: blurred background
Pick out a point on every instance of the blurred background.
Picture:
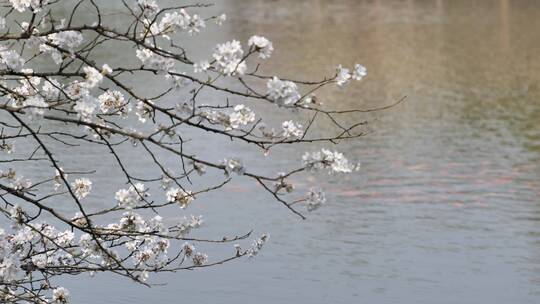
(446, 207)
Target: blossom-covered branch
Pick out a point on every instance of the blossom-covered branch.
(55, 90)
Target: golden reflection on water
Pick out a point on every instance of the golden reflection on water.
(464, 61)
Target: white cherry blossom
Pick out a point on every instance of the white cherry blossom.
(129, 198)
(12, 60)
(343, 76)
(283, 93)
(229, 58)
(201, 66)
(241, 116)
(66, 39)
(179, 196)
(112, 101)
(359, 72)
(60, 295)
(315, 199)
(261, 45)
(221, 19)
(93, 77)
(81, 187)
(334, 161)
(292, 129)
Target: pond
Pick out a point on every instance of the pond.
(446, 206)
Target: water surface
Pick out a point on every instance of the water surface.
(446, 208)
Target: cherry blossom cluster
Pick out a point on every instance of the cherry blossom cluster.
(59, 93)
(333, 161)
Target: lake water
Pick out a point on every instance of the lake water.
(446, 208)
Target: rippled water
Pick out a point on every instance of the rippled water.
(446, 208)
